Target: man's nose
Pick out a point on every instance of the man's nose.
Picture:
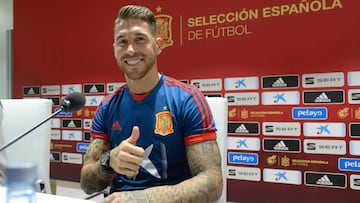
(130, 49)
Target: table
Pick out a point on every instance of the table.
(46, 198)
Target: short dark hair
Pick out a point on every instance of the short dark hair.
(137, 12)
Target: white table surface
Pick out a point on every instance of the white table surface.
(46, 198)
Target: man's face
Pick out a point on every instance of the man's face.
(135, 48)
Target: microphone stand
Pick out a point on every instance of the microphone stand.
(33, 128)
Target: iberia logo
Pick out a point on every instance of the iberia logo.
(164, 23)
(164, 125)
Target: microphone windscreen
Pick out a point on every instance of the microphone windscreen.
(73, 102)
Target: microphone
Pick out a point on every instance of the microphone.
(72, 102)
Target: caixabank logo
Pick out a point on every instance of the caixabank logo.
(164, 26)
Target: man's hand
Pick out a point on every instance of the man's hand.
(126, 158)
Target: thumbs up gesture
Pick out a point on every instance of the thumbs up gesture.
(126, 158)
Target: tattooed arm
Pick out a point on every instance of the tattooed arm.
(205, 186)
(92, 179)
(124, 159)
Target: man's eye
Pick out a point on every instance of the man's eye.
(140, 40)
(121, 43)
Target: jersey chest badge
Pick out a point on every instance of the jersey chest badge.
(164, 125)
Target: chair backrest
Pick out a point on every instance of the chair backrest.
(219, 109)
(19, 116)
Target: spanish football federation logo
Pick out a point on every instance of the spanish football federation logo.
(164, 125)
(164, 23)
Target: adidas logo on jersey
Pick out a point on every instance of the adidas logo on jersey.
(116, 126)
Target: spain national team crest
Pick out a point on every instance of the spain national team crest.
(164, 125)
(164, 23)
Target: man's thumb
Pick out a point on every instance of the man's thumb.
(134, 135)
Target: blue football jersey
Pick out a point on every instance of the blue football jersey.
(171, 116)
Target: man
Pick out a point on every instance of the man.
(154, 139)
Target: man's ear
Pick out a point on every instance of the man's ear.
(159, 42)
(114, 49)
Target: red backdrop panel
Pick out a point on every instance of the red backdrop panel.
(70, 42)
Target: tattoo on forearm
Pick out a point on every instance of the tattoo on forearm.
(92, 178)
(206, 185)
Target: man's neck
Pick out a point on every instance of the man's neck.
(145, 84)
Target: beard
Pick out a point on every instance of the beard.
(139, 71)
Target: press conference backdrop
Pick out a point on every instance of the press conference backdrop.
(289, 70)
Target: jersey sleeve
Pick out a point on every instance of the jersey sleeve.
(98, 129)
(199, 125)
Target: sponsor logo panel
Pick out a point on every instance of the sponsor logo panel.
(50, 89)
(31, 91)
(354, 96)
(285, 81)
(242, 83)
(354, 129)
(87, 123)
(243, 128)
(72, 123)
(70, 88)
(214, 84)
(55, 156)
(87, 136)
(111, 87)
(320, 113)
(280, 98)
(354, 78)
(324, 146)
(334, 79)
(281, 128)
(243, 158)
(354, 147)
(55, 134)
(243, 173)
(244, 143)
(243, 99)
(71, 158)
(74, 135)
(281, 145)
(331, 129)
(82, 147)
(355, 182)
(282, 176)
(320, 179)
(323, 97)
(349, 164)
(94, 88)
(93, 100)
(55, 123)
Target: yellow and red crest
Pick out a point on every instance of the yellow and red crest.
(164, 125)
(163, 23)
